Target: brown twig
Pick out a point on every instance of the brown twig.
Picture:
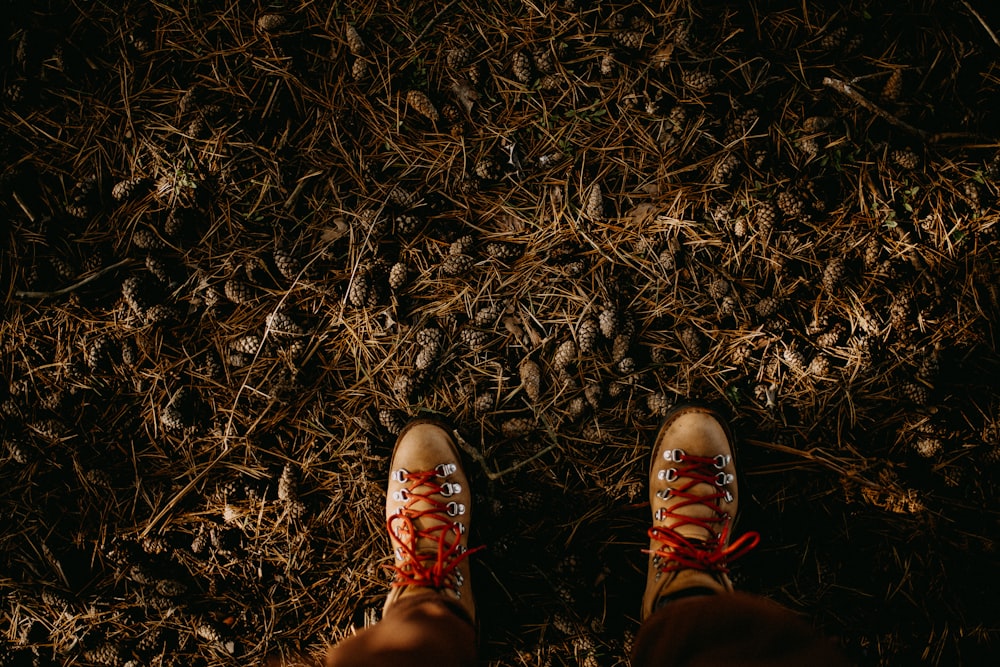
(25, 294)
(982, 22)
(851, 92)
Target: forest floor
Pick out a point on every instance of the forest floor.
(244, 242)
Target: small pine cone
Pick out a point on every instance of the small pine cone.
(906, 158)
(545, 62)
(170, 588)
(832, 337)
(238, 291)
(718, 288)
(422, 104)
(833, 274)
(391, 420)
(658, 404)
(587, 333)
(361, 292)
(359, 68)
(630, 39)
(280, 323)
(161, 313)
(791, 204)
(175, 224)
(126, 189)
(625, 366)
(457, 58)
(355, 43)
(607, 64)
(483, 403)
(901, 312)
(517, 427)
(577, 409)
(406, 224)
(833, 39)
(106, 654)
(430, 337)
(209, 632)
(767, 306)
(405, 387)
(594, 393)
(915, 392)
(287, 263)
(146, 238)
(893, 86)
(930, 366)
(794, 358)
(700, 82)
(427, 356)
(456, 265)
(608, 320)
(474, 339)
(819, 366)
(160, 270)
(725, 168)
(766, 217)
(593, 202)
(487, 169)
(691, 340)
(488, 316)
(134, 291)
(462, 246)
(531, 379)
(521, 67)
(928, 445)
(288, 483)
(397, 276)
(402, 197)
(99, 353)
(620, 347)
(814, 124)
(248, 344)
(565, 356)
(728, 306)
(503, 251)
(270, 22)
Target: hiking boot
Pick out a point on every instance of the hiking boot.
(694, 495)
(427, 510)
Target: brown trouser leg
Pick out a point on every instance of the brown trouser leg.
(418, 629)
(735, 630)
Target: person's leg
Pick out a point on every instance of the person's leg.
(732, 629)
(429, 614)
(691, 615)
(419, 629)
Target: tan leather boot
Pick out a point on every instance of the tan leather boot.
(694, 497)
(427, 511)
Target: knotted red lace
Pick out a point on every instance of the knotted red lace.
(435, 568)
(713, 554)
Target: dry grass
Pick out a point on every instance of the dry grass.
(204, 361)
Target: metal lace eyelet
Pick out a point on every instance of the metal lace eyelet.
(455, 509)
(400, 495)
(461, 528)
(660, 514)
(668, 475)
(673, 455)
(449, 489)
(723, 478)
(663, 494)
(722, 460)
(400, 475)
(445, 469)
(399, 553)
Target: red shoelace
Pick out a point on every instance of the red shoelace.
(434, 568)
(678, 552)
